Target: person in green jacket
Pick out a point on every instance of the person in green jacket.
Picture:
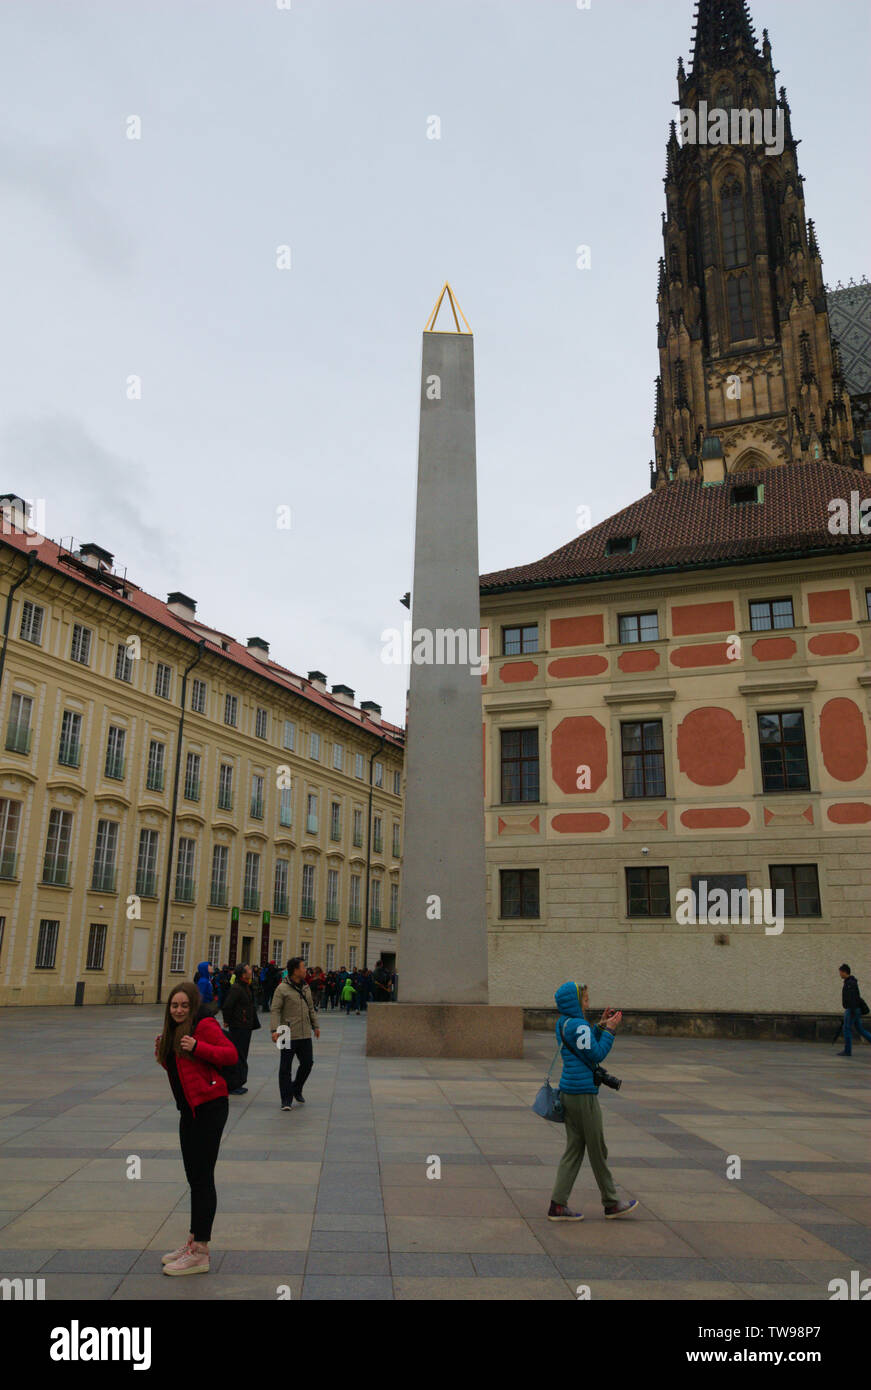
(349, 996)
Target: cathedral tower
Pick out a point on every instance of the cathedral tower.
(749, 374)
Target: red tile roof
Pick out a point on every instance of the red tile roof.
(129, 595)
(687, 526)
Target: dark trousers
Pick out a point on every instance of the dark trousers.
(200, 1137)
(291, 1086)
(241, 1039)
(853, 1019)
(350, 1004)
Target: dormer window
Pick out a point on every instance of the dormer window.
(747, 492)
(621, 545)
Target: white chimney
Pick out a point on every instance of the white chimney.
(371, 710)
(318, 680)
(259, 648)
(181, 606)
(344, 694)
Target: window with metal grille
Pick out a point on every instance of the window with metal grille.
(80, 647)
(257, 783)
(10, 822)
(332, 914)
(192, 777)
(115, 746)
(734, 225)
(69, 749)
(335, 821)
(771, 613)
(18, 732)
(647, 892)
(123, 663)
(307, 902)
(285, 806)
(281, 888)
(220, 865)
(251, 889)
(156, 765)
(184, 869)
(517, 640)
(46, 945)
(56, 865)
(96, 946)
(643, 758)
(639, 627)
(800, 886)
(176, 960)
(355, 900)
(519, 762)
(225, 787)
(518, 893)
(311, 814)
(394, 906)
(783, 752)
(740, 303)
(261, 723)
(146, 864)
(105, 856)
(198, 696)
(289, 734)
(375, 903)
(231, 710)
(31, 623)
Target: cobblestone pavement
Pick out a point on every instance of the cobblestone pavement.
(333, 1199)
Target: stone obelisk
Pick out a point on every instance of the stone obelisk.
(443, 932)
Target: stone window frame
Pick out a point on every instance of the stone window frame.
(791, 591)
(515, 714)
(779, 697)
(498, 871)
(632, 709)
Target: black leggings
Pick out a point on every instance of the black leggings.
(200, 1137)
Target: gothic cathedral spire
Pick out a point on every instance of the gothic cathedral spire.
(748, 376)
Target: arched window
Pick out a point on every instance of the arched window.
(739, 301)
(734, 226)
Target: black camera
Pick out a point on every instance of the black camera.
(604, 1078)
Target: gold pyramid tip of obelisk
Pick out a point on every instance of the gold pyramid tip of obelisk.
(455, 308)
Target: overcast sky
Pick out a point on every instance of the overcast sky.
(264, 388)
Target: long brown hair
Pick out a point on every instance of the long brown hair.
(170, 1038)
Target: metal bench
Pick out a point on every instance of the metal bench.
(124, 994)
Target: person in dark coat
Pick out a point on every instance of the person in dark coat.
(240, 1016)
(852, 1004)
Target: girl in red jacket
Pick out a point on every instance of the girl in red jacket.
(190, 1048)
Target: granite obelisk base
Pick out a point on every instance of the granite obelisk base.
(444, 1030)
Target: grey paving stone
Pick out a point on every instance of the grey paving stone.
(335, 1204)
(854, 1240)
(324, 1221)
(276, 1262)
(91, 1262)
(741, 1271)
(648, 1267)
(375, 1241)
(335, 1262)
(14, 1262)
(514, 1266)
(347, 1289)
(432, 1266)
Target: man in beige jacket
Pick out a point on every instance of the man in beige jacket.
(293, 1012)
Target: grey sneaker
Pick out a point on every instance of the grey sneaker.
(620, 1209)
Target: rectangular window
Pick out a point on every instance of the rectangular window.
(105, 856)
(176, 961)
(278, 950)
(379, 774)
(10, 822)
(397, 784)
(647, 893)
(516, 640)
(220, 866)
(783, 752)
(56, 866)
(771, 613)
(354, 915)
(338, 757)
(231, 710)
(394, 906)
(18, 731)
(285, 806)
(96, 946)
(352, 957)
(643, 758)
(332, 895)
(703, 886)
(331, 956)
(311, 814)
(314, 747)
(198, 696)
(46, 946)
(184, 870)
(740, 302)
(80, 647)
(639, 627)
(156, 766)
(281, 889)
(304, 950)
(225, 787)
(518, 893)
(377, 835)
(123, 663)
(335, 821)
(307, 900)
(146, 864)
(257, 784)
(31, 623)
(289, 734)
(800, 886)
(213, 955)
(69, 750)
(375, 903)
(396, 839)
(359, 766)
(192, 777)
(261, 723)
(115, 746)
(358, 829)
(163, 681)
(519, 748)
(251, 891)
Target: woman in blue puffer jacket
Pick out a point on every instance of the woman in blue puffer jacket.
(579, 1094)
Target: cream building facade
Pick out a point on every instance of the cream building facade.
(287, 820)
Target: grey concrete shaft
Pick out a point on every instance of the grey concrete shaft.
(445, 961)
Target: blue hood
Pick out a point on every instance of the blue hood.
(202, 969)
(568, 999)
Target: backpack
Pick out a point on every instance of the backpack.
(232, 1074)
(863, 1007)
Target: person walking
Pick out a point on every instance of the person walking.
(240, 1016)
(854, 1007)
(349, 996)
(382, 984)
(583, 1048)
(191, 1049)
(203, 981)
(293, 1008)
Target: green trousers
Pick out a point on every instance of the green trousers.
(584, 1134)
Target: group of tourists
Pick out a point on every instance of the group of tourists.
(329, 990)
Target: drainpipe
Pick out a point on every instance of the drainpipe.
(201, 646)
(31, 561)
(378, 750)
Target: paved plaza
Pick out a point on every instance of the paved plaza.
(333, 1200)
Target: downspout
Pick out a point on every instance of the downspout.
(31, 561)
(201, 646)
(378, 750)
